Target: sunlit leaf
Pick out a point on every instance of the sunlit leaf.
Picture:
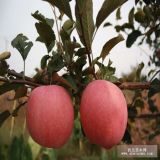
(109, 45)
(131, 16)
(84, 21)
(107, 8)
(118, 14)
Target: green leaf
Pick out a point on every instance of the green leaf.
(80, 62)
(56, 63)
(19, 150)
(80, 52)
(123, 27)
(148, 13)
(107, 8)
(109, 45)
(131, 16)
(4, 55)
(71, 81)
(118, 14)
(132, 37)
(84, 21)
(41, 18)
(44, 61)
(66, 30)
(154, 88)
(46, 35)
(62, 5)
(22, 44)
(68, 25)
(70, 49)
(5, 87)
(107, 72)
(4, 116)
(107, 24)
(3, 68)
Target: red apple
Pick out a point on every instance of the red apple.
(103, 113)
(50, 116)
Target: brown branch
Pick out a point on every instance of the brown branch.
(19, 81)
(145, 116)
(15, 111)
(19, 75)
(134, 85)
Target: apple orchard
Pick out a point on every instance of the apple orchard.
(73, 95)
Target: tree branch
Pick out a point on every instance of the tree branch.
(145, 116)
(15, 111)
(19, 75)
(134, 85)
(19, 81)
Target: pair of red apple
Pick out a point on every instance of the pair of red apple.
(103, 114)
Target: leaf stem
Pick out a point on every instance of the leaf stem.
(58, 31)
(88, 50)
(24, 69)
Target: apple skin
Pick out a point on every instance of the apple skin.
(50, 116)
(103, 113)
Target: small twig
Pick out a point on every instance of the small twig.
(19, 81)
(58, 31)
(134, 85)
(15, 111)
(145, 116)
(19, 75)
